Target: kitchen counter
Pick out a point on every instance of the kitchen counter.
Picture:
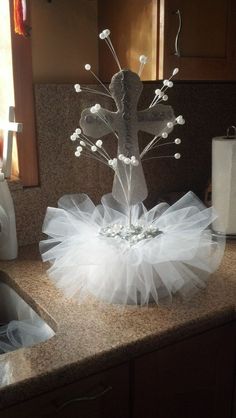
(93, 336)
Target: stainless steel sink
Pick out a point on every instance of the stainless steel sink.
(20, 325)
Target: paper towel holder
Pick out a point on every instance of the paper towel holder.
(230, 136)
(229, 129)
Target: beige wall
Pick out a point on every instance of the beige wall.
(64, 39)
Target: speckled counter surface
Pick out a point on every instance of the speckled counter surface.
(92, 337)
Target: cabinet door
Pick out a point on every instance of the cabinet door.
(198, 36)
(190, 379)
(133, 25)
(105, 395)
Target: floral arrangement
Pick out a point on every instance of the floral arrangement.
(119, 251)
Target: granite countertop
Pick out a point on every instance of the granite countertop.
(93, 336)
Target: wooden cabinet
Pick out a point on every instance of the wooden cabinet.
(105, 395)
(193, 378)
(190, 379)
(198, 36)
(134, 31)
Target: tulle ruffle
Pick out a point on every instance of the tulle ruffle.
(84, 262)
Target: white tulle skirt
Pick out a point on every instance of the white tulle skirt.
(94, 251)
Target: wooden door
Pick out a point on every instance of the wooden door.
(191, 379)
(198, 36)
(133, 25)
(105, 395)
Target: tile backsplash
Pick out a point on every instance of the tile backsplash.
(208, 107)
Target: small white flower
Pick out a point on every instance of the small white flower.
(165, 97)
(143, 59)
(180, 120)
(175, 71)
(164, 134)
(77, 88)
(78, 131)
(87, 67)
(159, 93)
(79, 148)
(77, 153)
(170, 125)
(106, 32)
(177, 141)
(99, 143)
(73, 137)
(97, 107)
(170, 84)
(165, 82)
(101, 35)
(135, 163)
(93, 148)
(121, 157)
(177, 156)
(82, 143)
(127, 160)
(114, 163)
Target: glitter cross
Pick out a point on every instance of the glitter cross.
(126, 88)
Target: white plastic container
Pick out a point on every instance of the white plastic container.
(8, 238)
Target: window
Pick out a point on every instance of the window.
(16, 88)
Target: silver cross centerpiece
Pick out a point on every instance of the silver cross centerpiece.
(129, 186)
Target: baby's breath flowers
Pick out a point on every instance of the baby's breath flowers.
(157, 141)
(97, 151)
(160, 94)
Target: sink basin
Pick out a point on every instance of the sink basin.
(20, 325)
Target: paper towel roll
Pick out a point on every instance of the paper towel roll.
(224, 184)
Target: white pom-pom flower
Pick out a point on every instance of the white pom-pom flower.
(121, 157)
(73, 137)
(106, 32)
(143, 59)
(164, 135)
(180, 120)
(77, 88)
(87, 67)
(134, 162)
(99, 143)
(101, 35)
(175, 71)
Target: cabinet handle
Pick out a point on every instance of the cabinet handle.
(86, 398)
(177, 50)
